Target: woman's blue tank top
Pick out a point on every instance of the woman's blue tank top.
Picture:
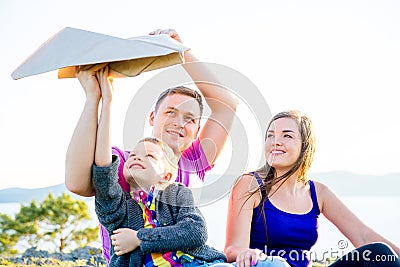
(290, 236)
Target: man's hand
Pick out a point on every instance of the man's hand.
(171, 32)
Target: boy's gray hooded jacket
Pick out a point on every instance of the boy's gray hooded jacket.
(183, 225)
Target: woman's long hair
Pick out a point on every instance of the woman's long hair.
(267, 173)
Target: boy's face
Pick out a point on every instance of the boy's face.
(147, 164)
(177, 121)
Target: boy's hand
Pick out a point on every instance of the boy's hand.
(124, 240)
(106, 84)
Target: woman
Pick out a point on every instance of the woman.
(275, 209)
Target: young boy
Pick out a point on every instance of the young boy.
(170, 230)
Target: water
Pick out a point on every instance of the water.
(380, 213)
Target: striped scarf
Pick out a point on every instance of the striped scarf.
(148, 204)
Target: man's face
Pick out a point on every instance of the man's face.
(177, 121)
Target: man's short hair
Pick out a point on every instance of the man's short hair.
(182, 90)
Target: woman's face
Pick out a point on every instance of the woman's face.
(283, 144)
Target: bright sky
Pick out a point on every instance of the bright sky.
(337, 61)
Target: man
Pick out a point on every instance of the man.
(175, 120)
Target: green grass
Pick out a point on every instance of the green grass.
(49, 262)
(31, 262)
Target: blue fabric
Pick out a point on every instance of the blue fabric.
(200, 263)
(270, 262)
(290, 236)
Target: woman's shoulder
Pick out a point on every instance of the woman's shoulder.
(247, 181)
(246, 185)
(321, 188)
(324, 193)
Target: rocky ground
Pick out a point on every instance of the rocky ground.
(86, 256)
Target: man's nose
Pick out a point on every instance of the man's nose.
(179, 121)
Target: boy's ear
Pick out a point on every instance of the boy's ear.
(168, 176)
(151, 118)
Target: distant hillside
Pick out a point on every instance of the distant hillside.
(347, 183)
(343, 183)
(350, 184)
(37, 194)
